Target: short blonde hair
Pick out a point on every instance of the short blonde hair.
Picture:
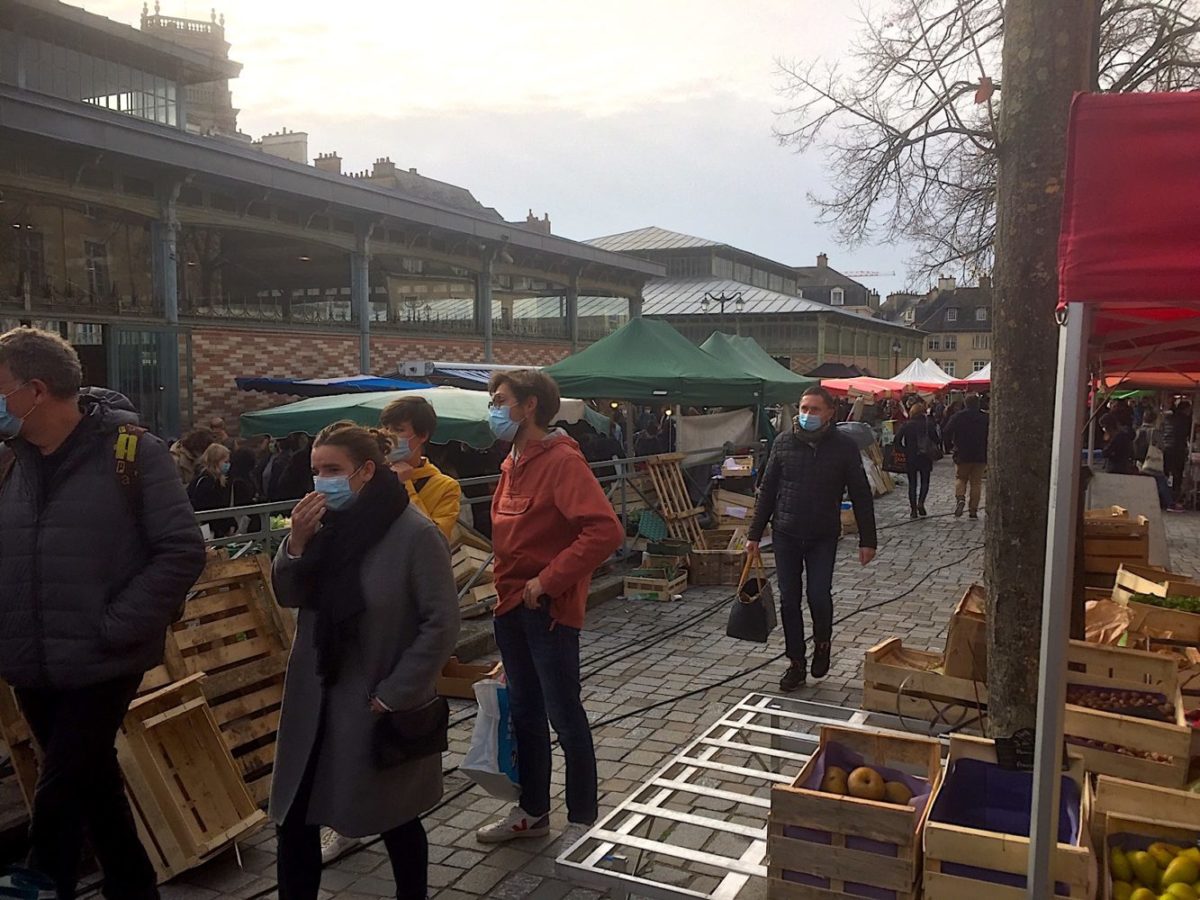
(211, 459)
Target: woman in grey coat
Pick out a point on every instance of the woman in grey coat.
(378, 620)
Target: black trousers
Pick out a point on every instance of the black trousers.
(298, 863)
(81, 788)
(919, 469)
(793, 556)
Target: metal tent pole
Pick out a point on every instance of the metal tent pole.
(1061, 527)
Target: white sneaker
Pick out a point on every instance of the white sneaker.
(335, 846)
(516, 825)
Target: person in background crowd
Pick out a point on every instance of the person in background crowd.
(94, 571)
(220, 434)
(600, 448)
(1176, 432)
(918, 440)
(187, 450)
(1118, 447)
(378, 620)
(551, 527)
(649, 442)
(1150, 435)
(210, 488)
(808, 471)
(937, 415)
(288, 475)
(411, 422)
(967, 433)
(1120, 410)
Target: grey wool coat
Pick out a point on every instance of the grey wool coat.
(405, 636)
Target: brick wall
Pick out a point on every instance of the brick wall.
(219, 355)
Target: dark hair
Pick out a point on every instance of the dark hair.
(918, 408)
(362, 444)
(197, 440)
(817, 391)
(241, 462)
(33, 354)
(416, 411)
(526, 383)
(1109, 422)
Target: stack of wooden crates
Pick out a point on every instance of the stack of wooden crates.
(197, 748)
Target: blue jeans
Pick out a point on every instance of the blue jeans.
(792, 556)
(542, 666)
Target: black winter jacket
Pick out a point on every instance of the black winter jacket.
(88, 592)
(968, 431)
(803, 486)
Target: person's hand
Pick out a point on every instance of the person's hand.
(532, 595)
(866, 554)
(306, 519)
(403, 471)
(752, 549)
(377, 706)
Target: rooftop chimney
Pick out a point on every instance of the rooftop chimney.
(383, 166)
(946, 283)
(329, 162)
(822, 261)
(985, 282)
(291, 145)
(533, 223)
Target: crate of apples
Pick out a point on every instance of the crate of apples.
(866, 784)
(1160, 872)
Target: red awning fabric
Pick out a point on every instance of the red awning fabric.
(875, 387)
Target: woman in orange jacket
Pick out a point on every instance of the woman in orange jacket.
(552, 527)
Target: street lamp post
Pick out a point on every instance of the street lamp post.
(739, 304)
(896, 356)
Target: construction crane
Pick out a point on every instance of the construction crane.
(867, 274)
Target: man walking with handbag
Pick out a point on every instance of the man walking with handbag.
(809, 470)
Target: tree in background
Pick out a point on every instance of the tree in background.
(926, 143)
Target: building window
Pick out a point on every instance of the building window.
(96, 263)
(689, 267)
(837, 297)
(32, 261)
(789, 286)
(952, 314)
(951, 342)
(722, 267)
(981, 342)
(935, 343)
(977, 364)
(910, 314)
(948, 366)
(981, 314)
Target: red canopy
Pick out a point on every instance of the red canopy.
(1130, 239)
(864, 384)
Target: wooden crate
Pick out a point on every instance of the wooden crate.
(467, 561)
(182, 779)
(949, 846)
(717, 557)
(1120, 669)
(1133, 579)
(966, 641)
(733, 510)
(1111, 540)
(737, 467)
(479, 601)
(839, 842)
(1121, 797)
(1173, 632)
(1137, 833)
(655, 584)
(913, 684)
(458, 679)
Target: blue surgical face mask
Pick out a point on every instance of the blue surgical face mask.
(501, 423)
(337, 490)
(224, 468)
(10, 425)
(809, 421)
(401, 450)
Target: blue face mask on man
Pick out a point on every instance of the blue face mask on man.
(336, 490)
(401, 450)
(809, 421)
(10, 424)
(501, 422)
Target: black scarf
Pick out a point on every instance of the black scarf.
(331, 567)
(812, 437)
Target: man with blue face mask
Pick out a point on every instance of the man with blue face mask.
(92, 581)
(809, 470)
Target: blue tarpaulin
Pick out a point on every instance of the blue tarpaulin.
(325, 387)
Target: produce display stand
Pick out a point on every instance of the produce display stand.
(1133, 579)
(698, 826)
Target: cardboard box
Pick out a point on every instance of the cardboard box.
(966, 642)
(458, 679)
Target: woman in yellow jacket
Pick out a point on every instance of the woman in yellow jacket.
(411, 421)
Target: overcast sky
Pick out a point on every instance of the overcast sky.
(608, 116)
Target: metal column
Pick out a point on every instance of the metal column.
(573, 312)
(1061, 527)
(360, 294)
(483, 302)
(635, 305)
(165, 272)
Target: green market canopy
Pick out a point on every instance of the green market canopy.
(462, 414)
(648, 361)
(780, 384)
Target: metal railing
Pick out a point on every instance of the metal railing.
(267, 539)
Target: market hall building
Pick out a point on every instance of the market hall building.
(176, 254)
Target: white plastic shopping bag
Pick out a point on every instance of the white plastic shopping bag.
(491, 761)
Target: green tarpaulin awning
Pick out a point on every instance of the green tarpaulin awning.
(780, 385)
(648, 361)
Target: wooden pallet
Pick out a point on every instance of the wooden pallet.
(675, 503)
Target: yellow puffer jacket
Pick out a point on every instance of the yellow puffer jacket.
(439, 496)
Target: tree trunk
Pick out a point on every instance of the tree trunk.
(1048, 55)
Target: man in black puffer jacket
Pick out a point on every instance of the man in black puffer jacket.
(94, 571)
(809, 470)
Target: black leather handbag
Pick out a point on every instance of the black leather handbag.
(752, 616)
(400, 737)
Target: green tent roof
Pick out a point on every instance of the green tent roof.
(648, 361)
(780, 385)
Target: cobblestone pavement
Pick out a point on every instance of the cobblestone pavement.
(638, 654)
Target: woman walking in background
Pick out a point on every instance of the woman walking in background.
(919, 441)
(372, 579)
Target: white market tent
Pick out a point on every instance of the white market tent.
(924, 374)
